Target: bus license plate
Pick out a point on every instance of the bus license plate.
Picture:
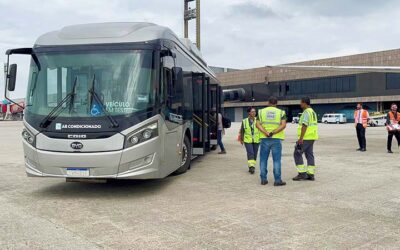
(78, 172)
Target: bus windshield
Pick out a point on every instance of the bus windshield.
(121, 81)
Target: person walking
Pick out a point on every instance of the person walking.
(361, 118)
(250, 138)
(307, 134)
(220, 133)
(271, 122)
(392, 125)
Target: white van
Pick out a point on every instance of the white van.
(334, 118)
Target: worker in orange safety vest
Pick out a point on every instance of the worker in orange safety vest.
(392, 126)
(361, 118)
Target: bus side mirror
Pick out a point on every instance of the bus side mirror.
(177, 73)
(12, 77)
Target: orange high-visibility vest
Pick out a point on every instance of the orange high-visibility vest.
(392, 119)
(392, 126)
(364, 117)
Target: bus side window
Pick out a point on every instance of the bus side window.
(177, 78)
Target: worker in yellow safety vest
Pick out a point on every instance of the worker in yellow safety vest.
(271, 122)
(250, 137)
(307, 134)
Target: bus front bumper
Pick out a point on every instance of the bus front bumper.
(138, 162)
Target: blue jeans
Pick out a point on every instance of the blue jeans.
(219, 140)
(268, 145)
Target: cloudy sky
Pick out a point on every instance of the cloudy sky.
(235, 33)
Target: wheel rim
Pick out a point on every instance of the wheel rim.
(184, 154)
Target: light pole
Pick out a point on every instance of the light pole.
(190, 14)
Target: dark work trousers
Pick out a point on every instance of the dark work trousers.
(361, 136)
(252, 151)
(219, 140)
(390, 138)
(308, 150)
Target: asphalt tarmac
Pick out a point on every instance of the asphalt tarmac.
(354, 202)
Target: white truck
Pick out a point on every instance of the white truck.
(377, 121)
(296, 119)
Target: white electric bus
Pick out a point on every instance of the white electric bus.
(115, 100)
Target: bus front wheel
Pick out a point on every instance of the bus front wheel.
(186, 157)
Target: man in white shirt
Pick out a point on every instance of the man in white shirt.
(361, 118)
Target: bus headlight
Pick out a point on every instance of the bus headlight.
(141, 135)
(134, 139)
(147, 134)
(28, 137)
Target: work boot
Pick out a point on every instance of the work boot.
(310, 177)
(222, 152)
(252, 170)
(359, 149)
(300, 177)
(390, 151)
(264, 182)
(363, 149)
(279, 183)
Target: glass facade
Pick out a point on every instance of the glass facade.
(350, 88)
(319, 85)
(392, 81)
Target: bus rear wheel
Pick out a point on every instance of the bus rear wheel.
(186, 157)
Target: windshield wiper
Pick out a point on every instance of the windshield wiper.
(94, 95)
(55, 112)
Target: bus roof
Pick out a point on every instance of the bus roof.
(114, 33)
(103, 33)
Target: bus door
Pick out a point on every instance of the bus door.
(200, 122)
(208, 114)
(173, 114)
(214, 107)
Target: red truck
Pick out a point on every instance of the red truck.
(15, 110)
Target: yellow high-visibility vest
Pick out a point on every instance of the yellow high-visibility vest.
(251, 132)
(270, 119)
(312, 128)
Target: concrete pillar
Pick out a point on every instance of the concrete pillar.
(380, 106)
(238, 114)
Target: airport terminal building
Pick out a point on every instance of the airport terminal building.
(330, 91)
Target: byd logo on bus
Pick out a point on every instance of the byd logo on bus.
(76, 145)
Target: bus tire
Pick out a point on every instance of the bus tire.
(186, 157)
